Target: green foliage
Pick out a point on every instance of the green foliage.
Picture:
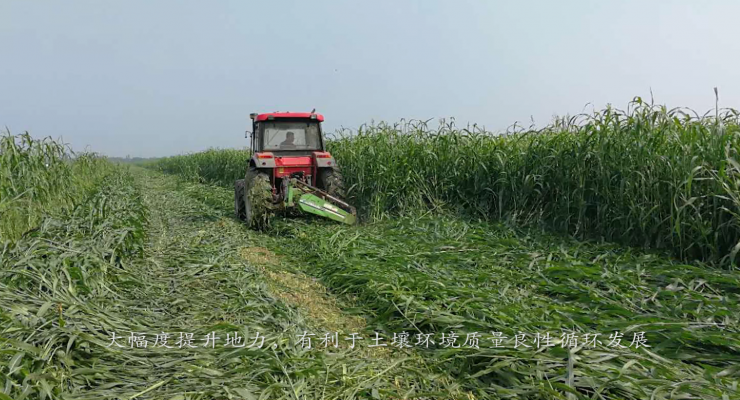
(440, 275)
(141, 255)
(38, 177)
(132, 160)
(215, 166)
(57, 290)
(648, 177)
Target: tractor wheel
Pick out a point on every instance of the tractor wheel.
(239, 206)
(332, 183)
(257, 200)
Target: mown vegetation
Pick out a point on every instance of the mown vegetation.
(452, 242)
(445, 275)
(136, 256)
(68, 221)
(648, 177)
(441, 275)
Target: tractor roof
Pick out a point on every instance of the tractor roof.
(275, 115)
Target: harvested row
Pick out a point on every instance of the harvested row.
(58, 298)
(447, 276)
(84, 298)
(293, 372)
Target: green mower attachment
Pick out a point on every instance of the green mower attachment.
(313, 200)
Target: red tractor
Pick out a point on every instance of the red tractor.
(290, 169)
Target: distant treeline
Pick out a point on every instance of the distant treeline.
(132, 160)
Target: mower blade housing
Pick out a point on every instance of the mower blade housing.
(316, 205)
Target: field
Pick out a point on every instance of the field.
(593, 259)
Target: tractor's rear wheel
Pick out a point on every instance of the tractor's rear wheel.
(332, 183)
(257, 200)
(239, 206)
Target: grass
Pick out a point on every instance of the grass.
(140, 254)
(38, 177)
(215, 166)
(438, 275)
(452, 241)
(648, 177)
(56, 292)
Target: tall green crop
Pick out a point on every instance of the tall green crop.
(649, 176)
(38, 177)
(216, 166)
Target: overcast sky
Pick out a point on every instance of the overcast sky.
(150, 78)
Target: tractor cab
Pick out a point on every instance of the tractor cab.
(288, 133)
(290, 169)
(289, 143)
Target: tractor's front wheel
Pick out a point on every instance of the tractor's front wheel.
(257, 200)
(239, 206)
